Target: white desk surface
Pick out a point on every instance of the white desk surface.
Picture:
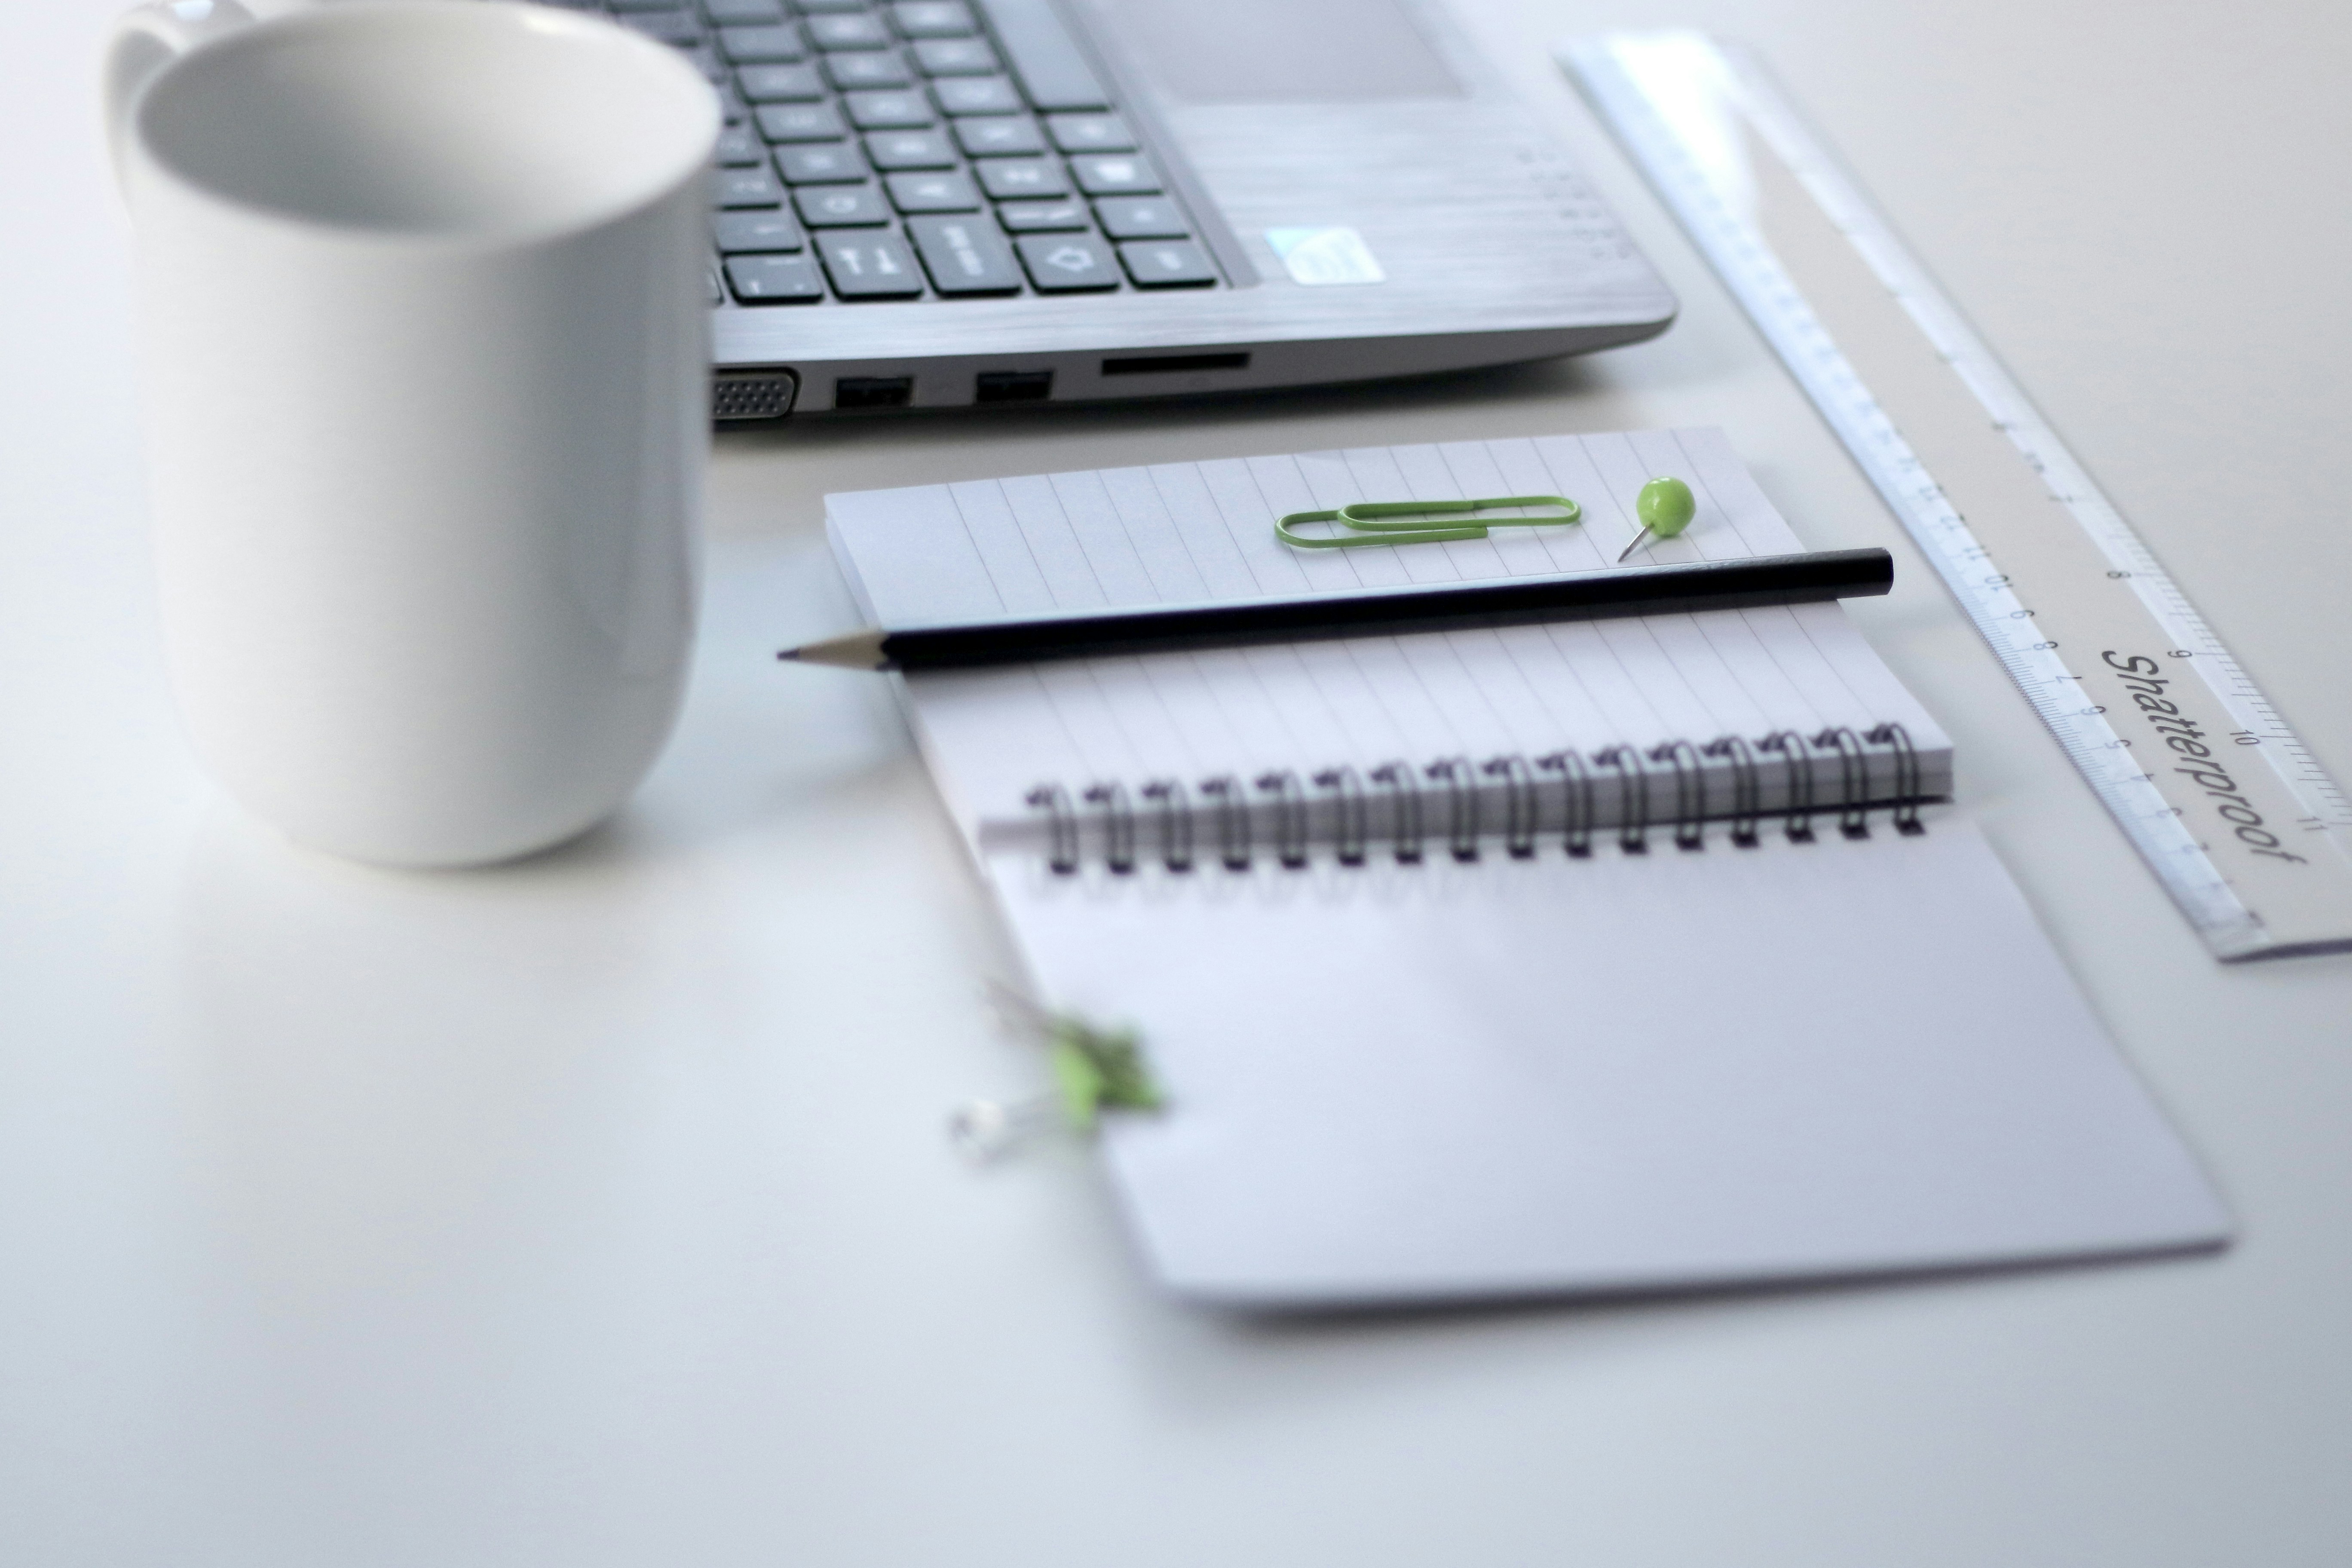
(596, 1211)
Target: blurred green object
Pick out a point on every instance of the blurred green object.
(1098, 1070)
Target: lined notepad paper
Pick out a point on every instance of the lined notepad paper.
(1515, 1066)
(1189, 533)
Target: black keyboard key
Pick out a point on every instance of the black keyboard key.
(1042, 217)
(667, 26)
(840, 206)
(933, 19)
(855, 73)
(745, 188)
(849, 31)
(752, 234)
(998, 138)
(975, 95)
(1091, 134)
(705, 58)
(870, 266)
(909, 150)
(762, 46)
(1052, 70)
(887, 110)
(820, 163)
(948, 192)
(965, 256)
(739, 148)
(955, 56)
(1116, 175)
(1167, 264)
(800, 121)
(1142, 218)
(1013, 179)
(742, 13)
(1064, 264)
(780, 84)
(775, 280)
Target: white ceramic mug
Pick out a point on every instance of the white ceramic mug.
(427, 363)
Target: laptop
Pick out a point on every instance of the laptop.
(944, 203)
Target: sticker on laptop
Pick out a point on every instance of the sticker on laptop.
(1325, 256)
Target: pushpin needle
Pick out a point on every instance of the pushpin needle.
(1666, 508)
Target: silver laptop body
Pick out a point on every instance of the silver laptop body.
(1327, 191)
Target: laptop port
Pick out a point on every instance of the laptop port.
(873, 391)
(1014, 386)
(738, 396)
(1162, 364)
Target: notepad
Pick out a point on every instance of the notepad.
(1602, 956)
(1197, 532)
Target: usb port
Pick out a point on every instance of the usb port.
(1014, 386)
(873, 391)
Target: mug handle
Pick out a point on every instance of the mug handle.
(148, 40)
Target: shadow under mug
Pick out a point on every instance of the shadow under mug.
(424, 371)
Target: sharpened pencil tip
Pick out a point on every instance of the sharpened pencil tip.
(858, 651)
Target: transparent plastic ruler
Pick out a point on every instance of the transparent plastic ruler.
(2234, 816)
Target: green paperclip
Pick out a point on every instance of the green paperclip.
(1366, 522)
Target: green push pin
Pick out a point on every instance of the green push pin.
(1665, 507)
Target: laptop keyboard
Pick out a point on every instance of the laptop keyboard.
(918, 150)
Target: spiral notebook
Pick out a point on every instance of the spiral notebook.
(1605, 956)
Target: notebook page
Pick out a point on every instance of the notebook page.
(1396, 1084)
(1194, 531)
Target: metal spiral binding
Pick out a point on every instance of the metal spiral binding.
(1634, 790)
(1800, 782)
(1853, 779)
(1690, 793)
(1519, 804)
(1233, 821)
(1353, 822)
(1055, 801)
(1906, 775)
(1746, 794)
(1289, 817)
(1118, 824)
(1175, 822)
(1640, 778)
(1461, 805)
(1576, 802)
(1405, 802)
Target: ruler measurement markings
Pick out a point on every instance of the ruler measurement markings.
(2013, 415)
(2114, 589)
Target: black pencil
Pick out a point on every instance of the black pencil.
(1370, 611)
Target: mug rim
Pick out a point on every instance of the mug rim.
(514, 20)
